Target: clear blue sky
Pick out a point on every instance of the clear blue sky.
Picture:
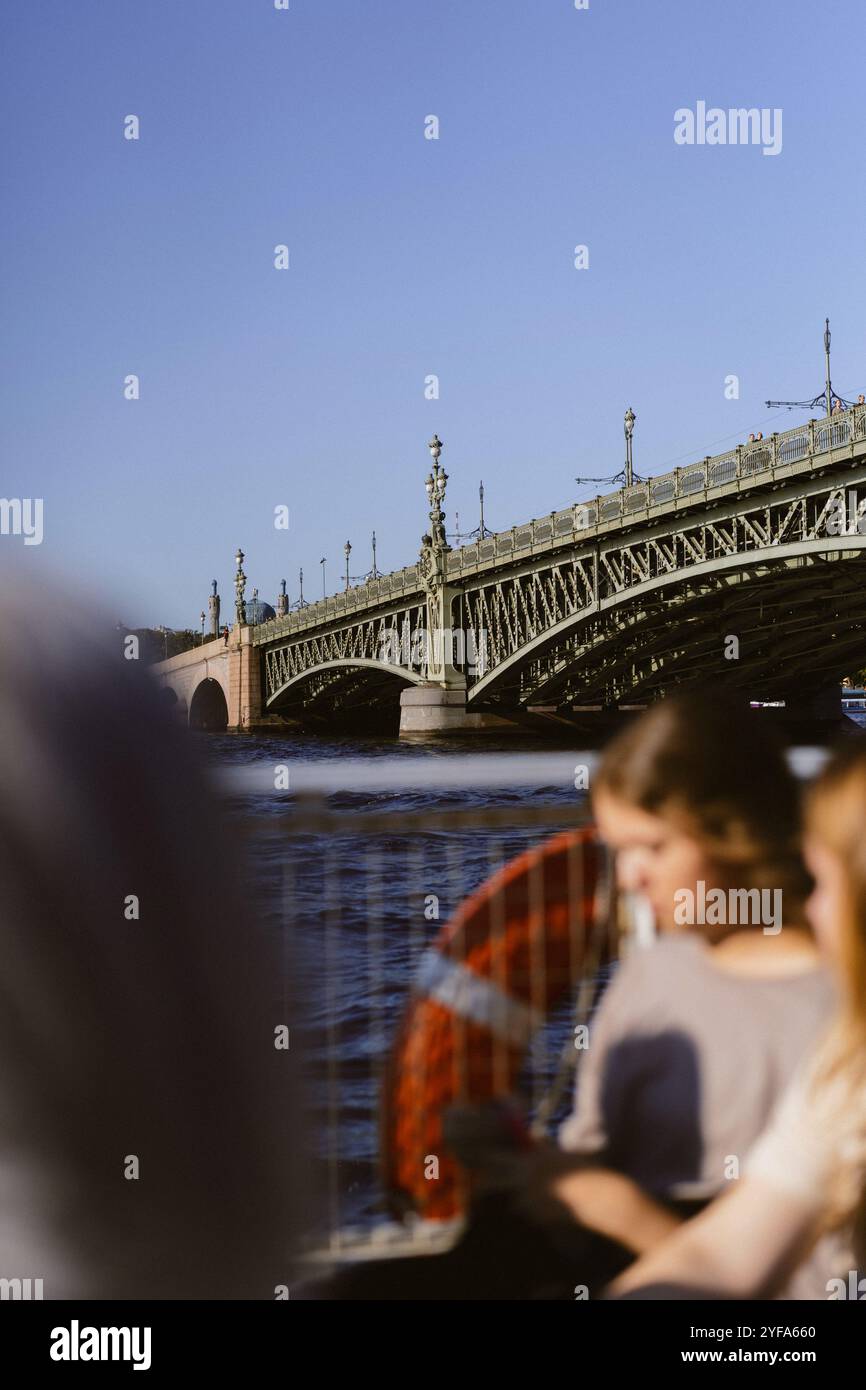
(407, 257)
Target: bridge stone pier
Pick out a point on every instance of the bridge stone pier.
(745, 571)
(428, 709)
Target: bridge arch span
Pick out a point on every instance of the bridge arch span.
(208, 708)
(327, 673)
(199, 684)
(787, 567)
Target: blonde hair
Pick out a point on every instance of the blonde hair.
(836, 817)
(717, 772)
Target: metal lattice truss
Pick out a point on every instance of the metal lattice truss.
(314, 666)
(626, 611)
(629, 617)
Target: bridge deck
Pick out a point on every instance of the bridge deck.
(783, 456)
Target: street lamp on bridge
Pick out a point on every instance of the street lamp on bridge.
(347, 550)
(829, 398)
(437, 481)
(626, 477)
(324, 590)
(202, 617)
(481, 531)
(628, 426)
(433, 573)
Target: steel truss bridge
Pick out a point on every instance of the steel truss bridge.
(616, 600)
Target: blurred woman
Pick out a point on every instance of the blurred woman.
(696, 1036)
(144, 1150)
(806, 1176)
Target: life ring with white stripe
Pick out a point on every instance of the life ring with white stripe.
(508, 955)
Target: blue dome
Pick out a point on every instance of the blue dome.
(259, 612)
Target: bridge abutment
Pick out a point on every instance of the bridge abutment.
(245, 680)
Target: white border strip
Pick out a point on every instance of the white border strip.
(438, 772)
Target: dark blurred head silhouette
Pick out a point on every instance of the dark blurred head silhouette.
(121, 1037)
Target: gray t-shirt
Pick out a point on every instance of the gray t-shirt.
(685, 1063)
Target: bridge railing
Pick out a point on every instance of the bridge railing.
(774, 455)
(357, 598)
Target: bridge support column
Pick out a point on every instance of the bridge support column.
(245, 683)
(430, 709)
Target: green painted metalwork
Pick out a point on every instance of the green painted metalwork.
(559, 598)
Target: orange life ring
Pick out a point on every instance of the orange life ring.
(506, 957)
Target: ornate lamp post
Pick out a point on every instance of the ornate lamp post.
(433, 573)
(483, 532)
(302, 602)
(202, 617)
(830, 399)
(322, 563)
(347, 550)
(626, 477)
(437, 481)
(628, 426)
(240, 585)
(374, 572)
